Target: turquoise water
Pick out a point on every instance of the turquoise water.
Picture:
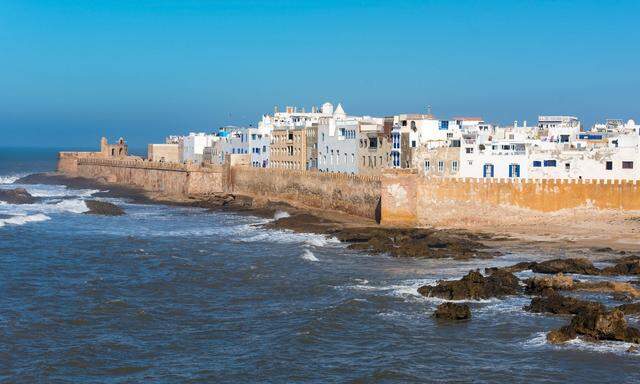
(171, 294)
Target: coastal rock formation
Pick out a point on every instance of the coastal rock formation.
(629, 309)
(552, 302)
(97, 207)
(474, 286)
(615, 287)
(628, 266)
(17, 196)
(538, 284)
(519, 267)
(578, 266)
(413, 242)
(596, 324)
(452, 311)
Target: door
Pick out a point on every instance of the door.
(487, 170)
(514, 170)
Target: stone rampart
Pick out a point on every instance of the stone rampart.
(353, 194)
(413, 200)
(396, 197)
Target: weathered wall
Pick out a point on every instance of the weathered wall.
(352, 194)
(445, 201)
(167, 178)
(399, 197)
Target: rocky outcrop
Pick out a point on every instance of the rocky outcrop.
(17, 196)
(629, 309)
(523, 266)
(452, 311)
(539, 284)
(577, 266)
(413, 242)
(552, 302)
(615, 287)
(97, 207)
(630, 266)
(474, 286)
(596, 324)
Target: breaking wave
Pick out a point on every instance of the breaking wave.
(23, 219)
(10, 179)
(280, 215)
(309, 256)
(539, 340)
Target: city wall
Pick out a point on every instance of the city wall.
(401, 198)
(409, 199)
(353, 194)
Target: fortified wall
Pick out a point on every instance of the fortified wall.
(410, 199)
(401, 198)
(353, 194)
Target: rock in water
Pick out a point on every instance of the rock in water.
(474, 286)
(557, 304)
(17, 196)
(453, 311)
(538, 284)
(97, 207)
(596, 324)
(625, 267)
(579, 266)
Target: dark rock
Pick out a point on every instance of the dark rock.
(97, 207)
(562, 335)
(625, 267)
(474, 286)
(618, 296)
(578, 266)
(17, 196)
(629, 309)
(413, 242)
(453, 311)
(523, 266)
(632, 349)
(554, 303)
(595, 324)
(602, 325)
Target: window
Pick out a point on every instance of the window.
(441, 166)
(537, 163)
(549, 163)
(487, 170)
(469, 150)
(454, 166)
(514, 170)
(413, 143)
(444, 125)
(567, 166)
(609, 165)
(627, 165)
(427, 165)
(373, 142)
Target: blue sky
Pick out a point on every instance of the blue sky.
(71, 71)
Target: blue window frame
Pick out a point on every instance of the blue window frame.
(487, 170)
(537, 163)
(514, 170)
(444, 125)
(549, 163)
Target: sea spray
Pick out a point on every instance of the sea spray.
(280, 215)
(309, 256)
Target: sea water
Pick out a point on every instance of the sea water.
(172, 294)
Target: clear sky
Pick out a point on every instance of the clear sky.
(71, 71)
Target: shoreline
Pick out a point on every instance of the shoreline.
(478, 241)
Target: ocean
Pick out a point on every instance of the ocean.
(169, 294)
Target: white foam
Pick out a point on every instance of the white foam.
(539, 340)
(309, 256)
(10, 179)
(23, 219)
(280, 215)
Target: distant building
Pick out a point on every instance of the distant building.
(169, 153)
